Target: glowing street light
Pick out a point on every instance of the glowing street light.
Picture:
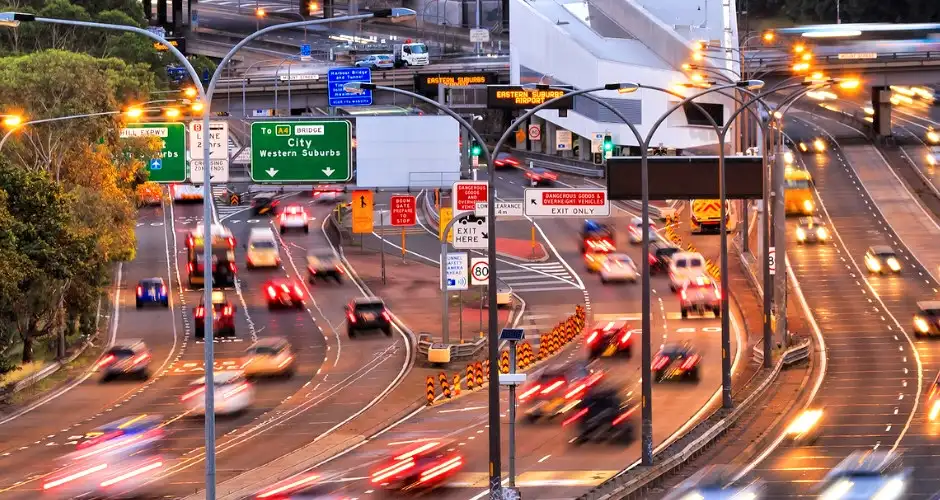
(189, 92)
(801, 67)
(134, 113)
(799, 48)
(697, 56)
(807, 56)
(769, 36)
(197, 107)
(172, 112)
(259, 12)
(850, 84)
(12, 120)
(686, 67)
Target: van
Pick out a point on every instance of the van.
(684, 267)
(262, 248)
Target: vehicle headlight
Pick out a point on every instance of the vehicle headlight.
(838, 490)
(894, 264)
(808, 205)
(805, 422)
(821, 233)
(921, 325)
(800, 234)
(874, 265)
(934, 411)
(893, 489)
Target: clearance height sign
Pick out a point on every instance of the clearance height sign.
(301, 151)
(427, 84)
(518, 97)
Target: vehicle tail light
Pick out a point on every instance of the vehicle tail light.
(528, 393)
(683, 294)
(624, 416)
(193, 393)
(441, 469)
(141, 358)
(417, 451)
(285, 288)
(298, 292)
(231, 242)
(227, 311)
(392, 470)
(718, 293)
(200, 312)
(934, 411)
(189, 267)
(162, 289)
(592, 337)
(551, 176)
(512, 162)
(574, 418)
(578, 389)
(271, 293)
(351, 316)
(128, 475)
(231, 266)
(386, 316)
(552, 387)
(72, 477)
(106, 360)
(625, 339)
(340, 269)
(288, 487)
(190, 240)
(652, 259)
(140, 290)
(690, 362)
(660, 362)
(238, 389)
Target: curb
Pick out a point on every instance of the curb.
(521, 259)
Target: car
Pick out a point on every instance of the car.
(882, 259)
(811, 230)
(269, 357)
(676, 361)
(377, 61)
(264, 203)
(603, 416)
(618, 267)
(233, 394)
(281, 293)
(506, 160)
(594, 261)
(293, 217)
(714, 482)
(555, 390)
(223, 317)
(596, 237)
(610, 338)
(699, 295)
(684, 267)
(876, 474)
(152, 291)
(307, 486)
(262, 249)
(327, 193)
(420, 467)
(927, 318)
(125, 358)
(933, 400)
(367, 313)
(661, 253)
(324, 265)
(805, 428)
(539, 176)
(636, 234)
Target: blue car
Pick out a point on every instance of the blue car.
(152, 291)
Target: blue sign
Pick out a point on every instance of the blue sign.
(305, 50)
(512, 334)
(451, 282)
(337, 77)
(156, 164)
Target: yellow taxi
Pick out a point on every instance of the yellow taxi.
(594, 261)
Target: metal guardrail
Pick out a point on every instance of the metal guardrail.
(565, 165)
(458, 352)
(791, 356)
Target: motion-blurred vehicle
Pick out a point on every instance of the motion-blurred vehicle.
(114, 458)
(125, 358)
(819, 145)
(604, 416)
(597, 238)
(712, 483)
(705, 216)
(293, 217)
(594, 261)
(264, 203)
(324, 265)
(281, 293)
(152, 291)
(699, 295)
(635, 232)
(306, 487)
(933, 137)
(424, 466)
(223, 257)
(269, 357)
(882, 259)
(555, 390)
(221, 236)
(805, 428)
(811, 230)
(539, 176)
(377, 61)
(618, 267)
(685, 267)
(367, 313)
(661, 253)
(676, 361)
(233, 394)
(185, 192)
(867, 474)
(223, 317)
(149, 194)
(933, 400)
(927, 318)
(504, 160)
(610, 338)
(262, 249)
(328, 193)
(798, 192)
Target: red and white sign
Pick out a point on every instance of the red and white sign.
(535, 132)
(403, 210)
(479, 271)
(467, 194)
(567, 203)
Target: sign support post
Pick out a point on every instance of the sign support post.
(382, 238)
(512, 379)
(403, 245)
(445, 323)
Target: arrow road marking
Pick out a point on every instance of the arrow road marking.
(328, 171)
(271, 172)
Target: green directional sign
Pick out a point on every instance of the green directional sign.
(301, 151)
(170, 164)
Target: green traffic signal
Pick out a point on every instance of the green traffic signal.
(608, 143)
(475, 150)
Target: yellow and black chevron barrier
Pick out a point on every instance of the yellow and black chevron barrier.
(456, 384)
(445, 386)
(486, 368)
(430, 390)
(470, 377)
(235, 199)
(504, 362)
(478, 373)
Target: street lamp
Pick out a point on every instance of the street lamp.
(11, 121)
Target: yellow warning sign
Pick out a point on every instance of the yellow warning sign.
(363, 214)
(447, 213)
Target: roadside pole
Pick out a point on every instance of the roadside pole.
(780, 231)
(382, 241)
(445, 323)
(512, 379)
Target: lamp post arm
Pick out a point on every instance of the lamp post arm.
(56, 119)
(684, 101)
(759, 99)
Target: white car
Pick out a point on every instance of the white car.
(685, 267)
(269, 357)
(618, 267)
(327, 194)
(186, 192)
(636, 234)
(233, 394)
(293, 217)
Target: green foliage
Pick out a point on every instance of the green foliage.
(852, 11)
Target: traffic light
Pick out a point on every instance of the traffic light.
(475, 149)
(608, 143)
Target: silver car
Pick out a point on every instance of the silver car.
(376, 62)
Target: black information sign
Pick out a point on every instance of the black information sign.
(427, 83)
(518, 97)
(685, 177)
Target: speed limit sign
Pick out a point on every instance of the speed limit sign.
(479, 271)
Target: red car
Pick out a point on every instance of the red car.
(506, 160)
(425, 466)
(539, 176)
(282, 293)
(610, 338)
(223, 317)
(676, 362)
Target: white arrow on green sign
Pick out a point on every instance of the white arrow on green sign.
(301, 151)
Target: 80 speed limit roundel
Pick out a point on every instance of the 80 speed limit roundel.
(479, 271)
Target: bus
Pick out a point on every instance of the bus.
(798, 192)
(223, 260)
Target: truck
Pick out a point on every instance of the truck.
(411, 53)
(705, 216)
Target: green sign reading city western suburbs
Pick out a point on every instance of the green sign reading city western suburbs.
(301, 151)
(170, 164)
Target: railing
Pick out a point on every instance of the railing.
(560, 164)
(458, 352)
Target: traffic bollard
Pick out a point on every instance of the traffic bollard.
(430, 390)
(478, 372)
(470, 377)
(456, 384)
(445, 385)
